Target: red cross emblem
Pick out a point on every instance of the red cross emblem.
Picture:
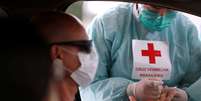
(151, 53)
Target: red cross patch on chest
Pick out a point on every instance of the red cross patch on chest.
(150, 60)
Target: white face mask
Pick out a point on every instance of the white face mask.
(84, 75)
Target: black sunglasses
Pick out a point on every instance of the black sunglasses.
(83, 45)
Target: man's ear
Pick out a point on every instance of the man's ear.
(55, 52)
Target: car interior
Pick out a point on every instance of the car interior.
(23, 9)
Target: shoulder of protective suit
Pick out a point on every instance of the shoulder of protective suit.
(183, 20)
(113, 21)
(116, 12)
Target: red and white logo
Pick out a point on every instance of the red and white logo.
(150, 60)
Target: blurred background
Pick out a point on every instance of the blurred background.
(87, 10)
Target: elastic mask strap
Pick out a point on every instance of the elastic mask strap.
(68, 70)
(68, 51)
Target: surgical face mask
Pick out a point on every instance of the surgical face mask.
(154, 22)
(84, 75)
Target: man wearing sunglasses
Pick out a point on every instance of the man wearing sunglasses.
(74, 60)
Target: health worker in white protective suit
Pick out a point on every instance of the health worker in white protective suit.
(113, 32)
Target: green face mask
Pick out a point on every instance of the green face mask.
(154, 22)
